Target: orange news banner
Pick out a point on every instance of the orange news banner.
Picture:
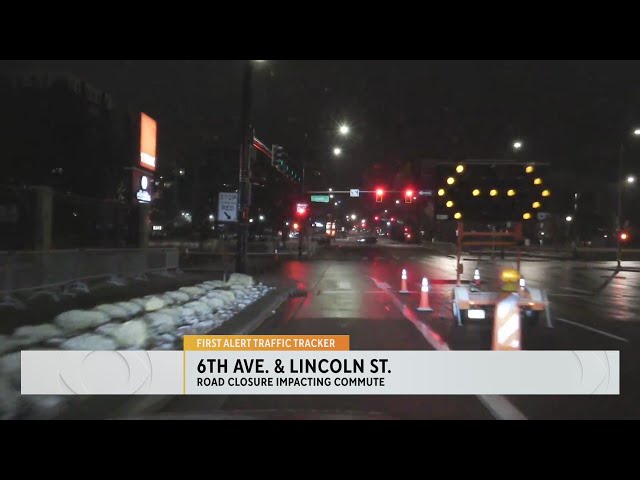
(266, 342)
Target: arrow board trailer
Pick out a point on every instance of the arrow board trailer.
(473, 301)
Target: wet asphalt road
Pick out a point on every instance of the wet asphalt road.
(593, 308)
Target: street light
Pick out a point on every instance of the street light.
(344, 129)
(517, 145)
(631, 179)
(353, 216)
(569, 218)
(261, 217)
(337, 151)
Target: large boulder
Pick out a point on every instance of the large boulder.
(131, 308)
(187, 312)
(113, 311)
(215, 283)
(200, 308)
(132, 334)
(225, 295)
(159, 323)
(150, 304)
(213, 303)
(89, 342)
(239, 293)
(204, 286)
(174, 313)
(75, 320)
(179, 297)
(192, 291)
(37, 333)
(240, 279)
(107, 329)
(168, 299)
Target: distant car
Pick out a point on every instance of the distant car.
(367, 240)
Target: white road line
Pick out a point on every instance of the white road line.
(586, 327)
(325, 292)
(571, 289)
(572, 295)
(499, 406)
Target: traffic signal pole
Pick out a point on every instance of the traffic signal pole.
(244, 186)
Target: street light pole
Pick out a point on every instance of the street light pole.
(619, 215)
(244, 184)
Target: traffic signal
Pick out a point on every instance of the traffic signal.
(302, 209)
(278, 156)
(379, 195)
(408, 196)
(624, 236)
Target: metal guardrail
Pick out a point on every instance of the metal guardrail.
(32, 270)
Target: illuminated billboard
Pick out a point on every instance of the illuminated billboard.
(148, 142)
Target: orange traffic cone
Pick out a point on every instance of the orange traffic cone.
(403, 288)
(424, 297)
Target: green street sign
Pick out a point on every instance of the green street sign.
(320, 198)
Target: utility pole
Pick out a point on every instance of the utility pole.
(244, 186)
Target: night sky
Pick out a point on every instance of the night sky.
(570, 113)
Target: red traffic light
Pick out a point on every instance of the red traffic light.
(301, 209)
(379, 195)
(296, 226)
(624, 236)
(408, 195)
(376, 218)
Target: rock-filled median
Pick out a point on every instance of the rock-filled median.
(155, 322)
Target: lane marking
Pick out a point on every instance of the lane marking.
(498, 406)
(577, 290)
(571, 295)
(325, 292)
(586, 327)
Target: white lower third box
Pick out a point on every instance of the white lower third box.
(321, 373)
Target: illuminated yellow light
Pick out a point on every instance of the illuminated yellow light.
(460, 168)
(441, 192)
(537, 181)
(536, 205)
(526, 216)
(449, 204)
(493, 192)
(451, 180)
(511, 192)
(510, 275)
(529, 169)
(476, 192)
(546, 193)
(457, 216)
